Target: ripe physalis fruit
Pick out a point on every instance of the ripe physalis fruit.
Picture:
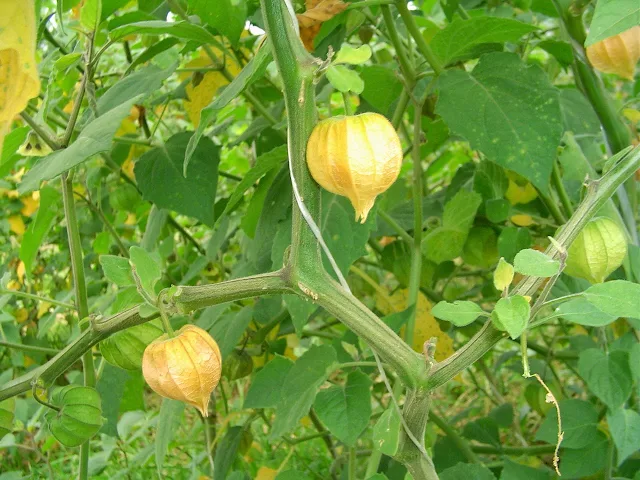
(617, 54)
(125, 349)
(358, 157)
(80, 415)
(185, 367)
(598, 250)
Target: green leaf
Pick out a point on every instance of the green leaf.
(447, 241)
(353, 56)
(481, 247)
(228, 17)
(503, 275)
(607, 376)
(292, 475)
(159, 173)
(517, 471)
(457, 40)
(511, 241)
(117, 270)
(634, 361)
(146, 267)
(484, 430)
(562, 51)
(95, 138)
(300, 310)
(611, 18)
(625, 430)
(386, 432)
(617, 297)
(183, 30)
(381, 88)
(50, 206)
(511, 315)
(169, 420)
(345, 410)
(7, 409)
(460, 312)
(226, 452)
(300, 386)
(8, 153)
(579, 423)
(266, 385)
(251, 72)
(228, 329)
(345, 80)
(536, 264)
(507, 110)
(90, 14)
(466, 471)
(110, 386)
(584, 462)
(582, 312)
(490, 180)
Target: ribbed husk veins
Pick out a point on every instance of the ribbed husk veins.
(599, 249)
(358, 157)
(125, 349)
(185, 367)
(79, 417)
(617, 54)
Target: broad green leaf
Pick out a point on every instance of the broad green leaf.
(517, 471)
(300, 387)
(466, 471)
(386, 432)
(460, 312)
(226, 452)
(228, 329)
(264, 391)
(154, 50)
(582, 312)
(7, 409)
(159, 173)
(447, 241)
(95, 138)
(624, 425)
(511, 241)
(507, 110)
(353, 56)
(607, 376)
(251, 72)
(484, 430)
(183, 30)
(456, 41)
(169, 420)
(611, 18)
(634, 361)
(511, 315)
(381, 88)
(117, 270)
(110, 386)
(536, 264)
(264, 163)
(50, 207)
(9, 149)
(345, 80)
(481, 248)
(90, 14)
(146, 267)
(490, 180)
(617, 297)
(579, 423)
(503, 275)
(587, 461)
(562, 51)
(228, 17)
(300, 310)
(396, 320)
(345, 410)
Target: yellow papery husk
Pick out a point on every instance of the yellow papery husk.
(617, 54)
(19, 79)
(186, 367)
(358, 157)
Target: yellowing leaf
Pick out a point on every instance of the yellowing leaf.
(426, 326)
(20, 271)
(18, 69)
(317, 11)
(266, 473)
(21, 315)
(31, 203)
(16, 224)
(43, 308)
(517, 193)
(632, 114)
(522, 220)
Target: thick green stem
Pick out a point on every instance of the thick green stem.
(405, 64)
(413, 29)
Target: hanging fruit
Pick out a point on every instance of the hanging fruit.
(185, 367)
(617, 54)
(125, 349)
(79, 417)
(358, 157)
(598, 250)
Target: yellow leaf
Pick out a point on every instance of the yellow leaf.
(18, 69)
(21, 315)
(266, 473)
(31, 204)
(503, 275)
(517, 193)
(43, 308)
(632, 114)
(522, 220)
(20, 271)
(317, 11)
(16, 224)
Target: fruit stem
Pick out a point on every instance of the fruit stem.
(40, 400)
